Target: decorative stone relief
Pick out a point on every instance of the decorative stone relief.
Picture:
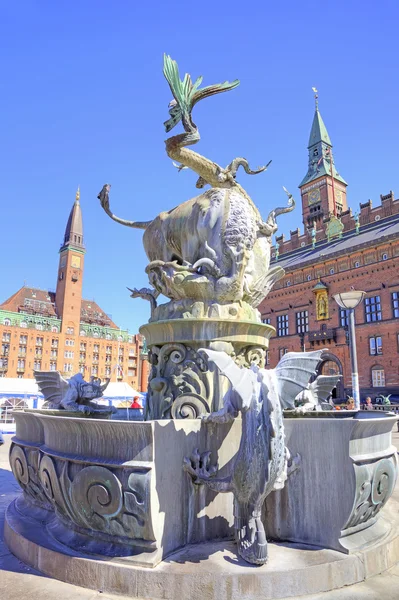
(375, 483)
(24, 464)
(93, 500)
(178, 373)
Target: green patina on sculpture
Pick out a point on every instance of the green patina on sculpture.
(211, 257)
(215, 247)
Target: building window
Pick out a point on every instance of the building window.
(373, 309)
(282, 351)
(108, 371)
(378, 377)
(68, 354)
(344, 317)
(53, 366)
(108, 336)
(357, 264)
(94, 370)
(96, 334)
(266, 321)
(39, 341)
(309, 277)
(267, 357)
(282, 325)
(82, 332)
(96, 348)
(302, 321)
(7, 322)
(23, 324)
(39, 326)
(83, 346)
(385, 257)
(70, 330)
(23, 339)
(375, 345)
(395, 304)
(68, 367)
(37, 365)
(54, 343)
(288, 283)
(331, 271)
(69, 342)
(6, 336)
(54, 329)
(21, 364)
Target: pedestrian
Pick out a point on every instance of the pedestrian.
(368, 405)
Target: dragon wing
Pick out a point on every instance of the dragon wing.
(52, 385)
(242, 380)
(293, 373)
(323, 386)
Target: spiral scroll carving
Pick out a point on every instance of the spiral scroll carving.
(19, 465)
(96, 495)
(189, 406)
(375, 485)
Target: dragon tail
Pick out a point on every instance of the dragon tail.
(250, 533)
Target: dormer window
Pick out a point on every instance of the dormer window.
(315, 152)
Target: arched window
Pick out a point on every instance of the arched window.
(39, 326)
(108, 336)
(96, 334)
(385, 256)
(378, 376)
(7, 322)
(54, 329)
(82, 332)
(23, 324)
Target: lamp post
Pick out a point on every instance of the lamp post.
(349, 301)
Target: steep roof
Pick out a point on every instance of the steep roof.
(320, 153)
(74, 229)
(31, 300)
(319, 132)
(91, 313)
(42, 302)
(370, 235)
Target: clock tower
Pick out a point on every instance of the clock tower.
(323, 190)
(68, 295)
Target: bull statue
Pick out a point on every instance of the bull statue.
(74, 394)
(214, 247)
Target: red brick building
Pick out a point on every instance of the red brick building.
(338, 250)
(50, 331)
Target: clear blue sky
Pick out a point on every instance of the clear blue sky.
(84, 100)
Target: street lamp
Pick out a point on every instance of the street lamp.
(349, 301)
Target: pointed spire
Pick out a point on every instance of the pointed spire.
(74, 229)
(319, 132)
(321, 160)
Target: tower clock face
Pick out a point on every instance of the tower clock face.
(314, 196)
(75, 262)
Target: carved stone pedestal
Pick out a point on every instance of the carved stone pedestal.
(181, 383)
(107, 505)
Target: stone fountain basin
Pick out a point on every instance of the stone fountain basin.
(117, 489)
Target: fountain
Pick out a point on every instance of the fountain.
(146, 508)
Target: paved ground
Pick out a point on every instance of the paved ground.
(20, 582)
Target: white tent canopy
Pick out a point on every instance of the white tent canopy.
(120, 390)
(18, 387)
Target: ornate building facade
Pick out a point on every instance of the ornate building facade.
(338, 250)
(49, 331)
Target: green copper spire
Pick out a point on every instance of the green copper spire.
(320, 151)
(319, 132)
